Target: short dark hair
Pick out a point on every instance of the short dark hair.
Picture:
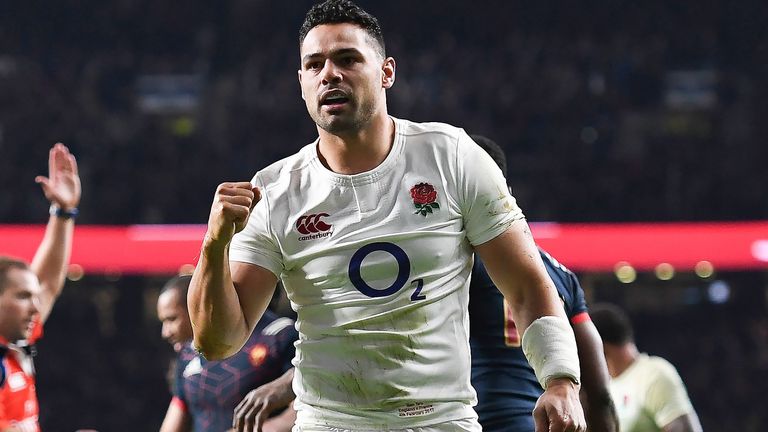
(493, 149)
(343, 11)
(180, 283)
(6, 265)
(612, 323)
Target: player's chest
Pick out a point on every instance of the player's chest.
(18, 391)
(400, 209)
(20, 372)
(630, 410)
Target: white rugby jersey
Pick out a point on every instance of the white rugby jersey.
(377, 267)
(649, 395)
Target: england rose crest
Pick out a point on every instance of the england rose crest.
(424, 198)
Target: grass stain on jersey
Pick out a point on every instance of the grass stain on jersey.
(498, 204)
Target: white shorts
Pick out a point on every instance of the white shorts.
(464, 425)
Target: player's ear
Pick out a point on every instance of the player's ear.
(388, 73)
(300, 87)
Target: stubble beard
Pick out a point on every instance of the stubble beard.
(349, 122)
(22, 333)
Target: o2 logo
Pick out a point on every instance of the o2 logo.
(403, 271)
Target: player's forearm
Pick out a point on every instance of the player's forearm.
(515, 266)
(600, 411)
(51, 260)
(535, 300)
(547, 340)
(531, 293)
(596, 398)
(284, 384)
(176, 419)
(218, 323)
(281, 423)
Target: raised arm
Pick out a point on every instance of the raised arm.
(595, 396)
(225, 299)
(62, 189)
(514, 264)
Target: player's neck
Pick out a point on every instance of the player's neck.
(358, 151)
(624, 357)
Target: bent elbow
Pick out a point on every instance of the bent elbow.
(213, 351)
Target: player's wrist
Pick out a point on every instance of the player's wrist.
(213, 245)
(568, 381)
(550, 347)
(63, 212)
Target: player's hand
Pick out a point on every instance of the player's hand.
(258, 404)
(231, 207)
(559, 409)
(62, 186)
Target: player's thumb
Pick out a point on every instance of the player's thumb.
(256, 196)
(44, 183)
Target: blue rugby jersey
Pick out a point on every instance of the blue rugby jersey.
(507, 388)
(210, 390)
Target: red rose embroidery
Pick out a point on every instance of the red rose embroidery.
(424, 198)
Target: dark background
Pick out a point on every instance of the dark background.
(608, 111)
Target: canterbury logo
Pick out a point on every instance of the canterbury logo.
(313, 223)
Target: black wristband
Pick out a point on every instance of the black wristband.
(59, 212)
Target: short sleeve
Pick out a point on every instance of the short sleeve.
(486, 204)
(255, 244)
(578, 304)
(667, 398)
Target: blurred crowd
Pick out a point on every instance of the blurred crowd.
(608, 111)
(616, 111)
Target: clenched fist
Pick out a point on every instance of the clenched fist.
(232, 204)
(559, 409)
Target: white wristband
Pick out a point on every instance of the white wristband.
(550, 347)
